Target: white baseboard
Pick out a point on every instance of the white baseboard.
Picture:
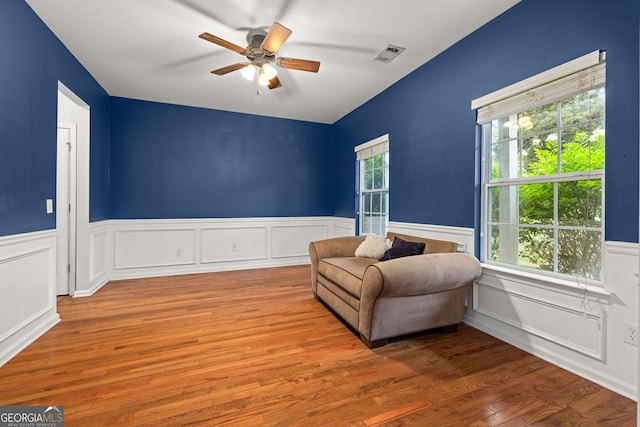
(27, 335)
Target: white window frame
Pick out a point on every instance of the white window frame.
(564, 81)
(364, 151)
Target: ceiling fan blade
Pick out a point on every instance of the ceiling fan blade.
(277, 35)
(222, 42)
(299, 64)
(228, 69)
(274, 83)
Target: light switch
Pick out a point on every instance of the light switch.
(49, 206)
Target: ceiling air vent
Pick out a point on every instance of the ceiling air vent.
(388, 53)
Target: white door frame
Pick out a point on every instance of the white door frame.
(66, 210)
(72, 109)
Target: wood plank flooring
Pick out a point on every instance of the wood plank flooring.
(254, 348)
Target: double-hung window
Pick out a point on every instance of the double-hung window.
(373, 194)
(543, 161)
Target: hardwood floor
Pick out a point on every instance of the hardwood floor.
(254, 348)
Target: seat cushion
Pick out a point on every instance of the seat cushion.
(346, 272)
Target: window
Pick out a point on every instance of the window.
(544, 170)
(373, 200)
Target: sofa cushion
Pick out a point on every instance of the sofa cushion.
(402, 248)
(373, 246)
(347, 272)
(431, 245)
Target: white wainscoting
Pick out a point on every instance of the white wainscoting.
(98, 244)
(292, 240)
(147, 248)
(464, 237)
(561, 318)
(577, 328)
(28, 289)
(97, 273)
(342, 227)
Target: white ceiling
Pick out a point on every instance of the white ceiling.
(150, 50)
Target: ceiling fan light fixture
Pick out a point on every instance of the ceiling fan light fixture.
(269, 71)
(263, 80)
(249, 72)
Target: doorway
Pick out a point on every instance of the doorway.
(66, 209)
(72, 193)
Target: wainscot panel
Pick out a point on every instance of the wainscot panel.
(146, 247)
(98, 244)
(28, 289)
(566, 324)
(293, 240)
(233, 244)
(98, 259)
(342, 227)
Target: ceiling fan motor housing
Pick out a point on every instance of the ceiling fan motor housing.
(254, 50)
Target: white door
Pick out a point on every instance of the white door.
(65, 210)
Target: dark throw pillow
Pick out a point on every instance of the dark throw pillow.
(401, 248)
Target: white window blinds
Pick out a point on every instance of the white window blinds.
(580, 75)
(373, 147)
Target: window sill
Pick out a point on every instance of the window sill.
(547, 281)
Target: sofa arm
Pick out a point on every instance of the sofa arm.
(331, 248)
(427, 274)
(413, 275)
(417, 275)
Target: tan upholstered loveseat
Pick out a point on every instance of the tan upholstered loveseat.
(385, 299)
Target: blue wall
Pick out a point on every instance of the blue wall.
(171, 161)
(32, 61)
(433, 155)
(152, 160)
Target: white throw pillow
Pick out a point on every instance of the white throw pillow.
(373, 247)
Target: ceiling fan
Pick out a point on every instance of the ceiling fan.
(261, 54)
